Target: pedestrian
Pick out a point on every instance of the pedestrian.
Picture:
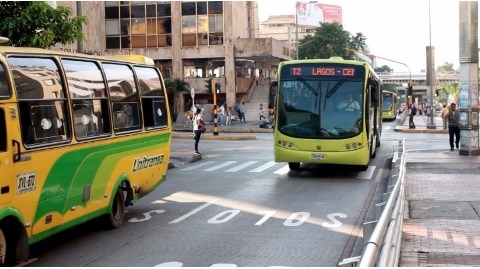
(260, 110)
(236, 107)
(453, 116)
(229, 116)
(242, 112)
(198, 120)
(443, 114)
(412, 111)
(220, 114)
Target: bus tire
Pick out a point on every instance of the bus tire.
(294, 166)
(116, 213)
(13, 243)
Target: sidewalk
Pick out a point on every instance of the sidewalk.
(441, 224)
(442, 191)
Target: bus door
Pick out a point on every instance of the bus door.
(7, 187)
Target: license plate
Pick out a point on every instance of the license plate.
(318, 156)
(26, 182)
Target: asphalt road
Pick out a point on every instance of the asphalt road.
(235, 207)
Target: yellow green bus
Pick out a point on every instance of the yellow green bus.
(328, 111)
(81, 137)
(389, 105)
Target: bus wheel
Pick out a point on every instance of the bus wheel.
(3, 247)
(294, 166)
(8, 244)
(116, 213)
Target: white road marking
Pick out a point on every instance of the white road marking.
(239, 167)
(263, 167)
(219, 166)
(282, 171)
(201, 164)
(196, 210)
(366, 174)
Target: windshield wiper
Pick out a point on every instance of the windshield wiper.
(335, 87)
(308, 85)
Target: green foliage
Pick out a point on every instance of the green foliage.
(383, 69)
(446, 68)
(449, 92)
(37, 24)
(390, 88)
(330, 39)
(177, 85)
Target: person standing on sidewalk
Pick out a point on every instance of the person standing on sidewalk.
(453, 116)
(443, 114)
(242, 112)
(412, 111)
(197, 119)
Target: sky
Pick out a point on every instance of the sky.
(399, 30)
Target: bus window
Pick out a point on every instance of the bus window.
(89, 98)
(4, 92)
(3, 131)
(124, 97)
(153, 99)
(42, 102)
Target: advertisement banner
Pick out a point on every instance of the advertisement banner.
(314, 14)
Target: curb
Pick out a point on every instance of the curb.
(215, 137)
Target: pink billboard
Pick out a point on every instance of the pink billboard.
(315, 13)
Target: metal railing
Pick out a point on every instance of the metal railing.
(383, 247)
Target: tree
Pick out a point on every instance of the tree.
(452, 92)
(176, 86)
(330, 39)
(383, 69)
(37, 24)
(446, 68)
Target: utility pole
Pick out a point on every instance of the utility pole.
(468, 103)
(430, 74)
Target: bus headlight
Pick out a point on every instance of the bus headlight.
(353, 146)
(286, 144)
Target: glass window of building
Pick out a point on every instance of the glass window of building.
(202, 23)
(138, 24)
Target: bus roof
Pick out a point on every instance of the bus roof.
(134, 58)
(124, 58)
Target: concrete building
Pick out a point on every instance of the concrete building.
(191, 40)
(282, 27)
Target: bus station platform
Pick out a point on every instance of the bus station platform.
(441, 225)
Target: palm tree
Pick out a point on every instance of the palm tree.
(176, 86)
(453, 92)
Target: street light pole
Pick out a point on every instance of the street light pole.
(371, 55)
(296, 31)
(431, 74)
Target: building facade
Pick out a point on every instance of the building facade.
(284, 28)
(192, 40)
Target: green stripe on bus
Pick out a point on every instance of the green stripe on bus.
(89, 166)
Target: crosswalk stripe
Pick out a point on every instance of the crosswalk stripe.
(239, 167)
(282, 171)
(366, 174)
(263, 167)
(219, 166)
(201, 164)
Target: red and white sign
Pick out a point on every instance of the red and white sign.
(314, 14)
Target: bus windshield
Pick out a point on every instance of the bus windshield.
(320, 107)
(387, 102)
